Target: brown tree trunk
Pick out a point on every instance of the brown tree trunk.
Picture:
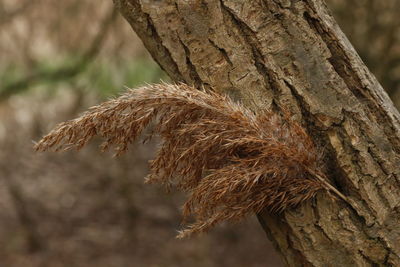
(291, 54)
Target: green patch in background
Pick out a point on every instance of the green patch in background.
(103, 77)
(111, 78)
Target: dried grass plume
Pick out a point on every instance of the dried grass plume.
(229, 160)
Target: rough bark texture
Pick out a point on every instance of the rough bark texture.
(291, 53)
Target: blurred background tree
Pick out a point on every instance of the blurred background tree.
(373, 27)
(86, 209)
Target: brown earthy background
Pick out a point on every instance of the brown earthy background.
(57, 58)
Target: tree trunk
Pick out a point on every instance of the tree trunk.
(291, 54)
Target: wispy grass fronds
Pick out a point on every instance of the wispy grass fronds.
(231, 161)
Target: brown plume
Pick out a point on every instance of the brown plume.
(231, 161)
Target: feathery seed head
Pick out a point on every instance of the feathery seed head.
(229, 160)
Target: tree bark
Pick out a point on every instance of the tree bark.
(291, 54)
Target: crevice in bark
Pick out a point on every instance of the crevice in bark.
(196, 80)
(143, 25)
(340, 62)
(316, 132)
(337, 60)
(259, 63)
(336, 174)
(367, 259)
(318, 227)
(300, 257)
(357, 171)
(167, 53)
(222, 50)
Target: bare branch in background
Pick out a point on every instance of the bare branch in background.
(66, 71)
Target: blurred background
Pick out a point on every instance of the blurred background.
(87, 208)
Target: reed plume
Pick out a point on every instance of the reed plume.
(229, 160)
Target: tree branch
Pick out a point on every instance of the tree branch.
(66, 71)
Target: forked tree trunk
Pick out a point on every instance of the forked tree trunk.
(292, 54)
